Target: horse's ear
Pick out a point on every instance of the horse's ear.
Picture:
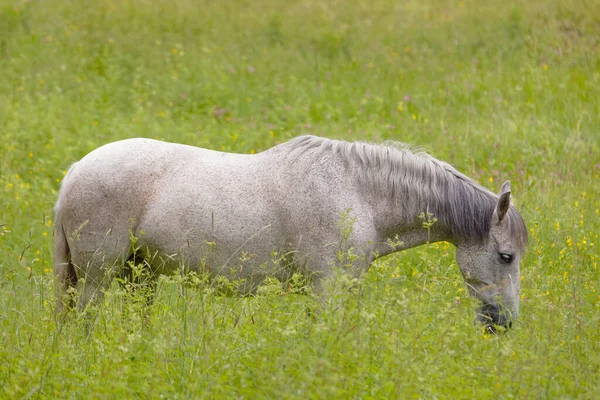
(503, 201)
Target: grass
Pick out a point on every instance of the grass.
(502, 90)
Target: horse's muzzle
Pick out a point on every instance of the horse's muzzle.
(493, 315)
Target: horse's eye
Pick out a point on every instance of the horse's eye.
(506, 258)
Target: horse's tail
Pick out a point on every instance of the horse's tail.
(66, 277)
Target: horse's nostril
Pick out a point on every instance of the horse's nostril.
(491, 311)
(491, 314)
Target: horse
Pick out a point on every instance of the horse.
(248, 217)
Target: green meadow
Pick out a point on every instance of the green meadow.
(500, 89)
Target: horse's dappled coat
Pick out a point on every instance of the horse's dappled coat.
(251, 216)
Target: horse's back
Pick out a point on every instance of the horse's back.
(136, 164)
(142, 158)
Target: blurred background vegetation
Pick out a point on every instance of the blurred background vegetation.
(500, 89)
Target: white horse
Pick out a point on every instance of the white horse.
(269, 214)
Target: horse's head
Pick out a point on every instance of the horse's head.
(491, 266)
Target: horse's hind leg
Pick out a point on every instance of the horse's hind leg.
(97, 260)
(65, 287)
(66, 278)
(95, 277)
(96, 272)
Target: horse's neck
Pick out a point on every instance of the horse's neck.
(417, 233)
(403, 227)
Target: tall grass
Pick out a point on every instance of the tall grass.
(502, 90)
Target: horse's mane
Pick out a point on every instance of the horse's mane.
(416, 177)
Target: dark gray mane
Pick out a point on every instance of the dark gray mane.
(393, 168)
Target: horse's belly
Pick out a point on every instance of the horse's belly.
(247, 264)
(226, 238)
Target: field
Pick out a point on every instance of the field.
(500, 89)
